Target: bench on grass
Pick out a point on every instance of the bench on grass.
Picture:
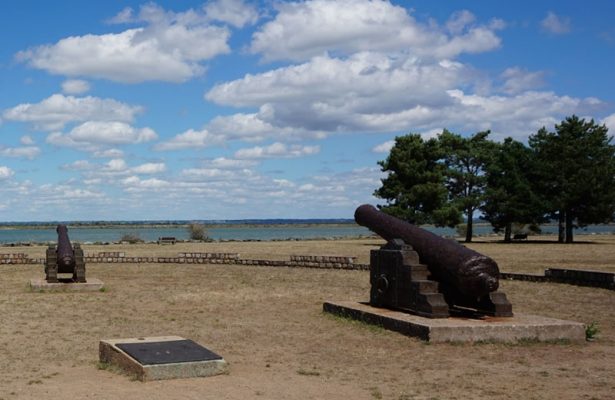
(166, 240)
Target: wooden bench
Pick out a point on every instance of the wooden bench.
(520, 236)
(166, 240)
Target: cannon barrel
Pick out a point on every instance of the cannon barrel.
(65, 253)
(466, 270)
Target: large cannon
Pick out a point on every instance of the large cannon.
(465, 278)
(64, 258)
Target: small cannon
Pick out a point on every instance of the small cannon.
(64, 259)
(461, 279)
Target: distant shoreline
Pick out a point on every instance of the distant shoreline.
(146, 225)
(207, 224)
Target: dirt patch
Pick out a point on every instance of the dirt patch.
(268, 324)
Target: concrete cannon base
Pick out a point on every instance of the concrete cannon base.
(454, 329)
(91, 285)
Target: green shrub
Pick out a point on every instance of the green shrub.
(131, 238)
(521, 228)
(461, 230)
(197, 231)
(591, 331)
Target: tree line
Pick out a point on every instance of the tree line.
(567, 175)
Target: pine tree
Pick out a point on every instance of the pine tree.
(509, 196)
(414, 187)
(576, 173)
(466, 160)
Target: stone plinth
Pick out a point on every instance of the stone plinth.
(163, 357)
(91, 285)
(454, 329)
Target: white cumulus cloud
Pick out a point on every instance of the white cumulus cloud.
(302, 30)
(384, 147)
(348, 78)
(27, 140)
(111, 133)
(609, 121)
(243, 126)
(109, 153)
(556, 24)
(330, 94)
(277, 150)
(136, 184)
(230, 163)
(94, 136)
(149, 168)
(234, 12)
(78, 165)
(75, 86)
(190, 139)
(374, 92)
(116, 165)
(517, 80)
(123, 17)
(54, 112)
(5, 173)
(29, 152)
(169, 47)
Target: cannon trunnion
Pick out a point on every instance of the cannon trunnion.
(64, 259)
(422, 273)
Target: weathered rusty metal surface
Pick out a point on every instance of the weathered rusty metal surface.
(463, 269)
(64, 251)
(64, 258)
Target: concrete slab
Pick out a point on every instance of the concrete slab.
(454, 329)
(92, 285)
(202, 362)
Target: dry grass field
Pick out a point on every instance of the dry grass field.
(268, 324)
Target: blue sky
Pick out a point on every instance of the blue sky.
(230, 109)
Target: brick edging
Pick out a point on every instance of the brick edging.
(589, 278)
(600, 279)
(296, 261)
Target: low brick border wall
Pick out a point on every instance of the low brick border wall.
(17, 258)
(523, 277)
(114, 257)
(600, 279)
(581, 277)
(324, 259)
(605, 280)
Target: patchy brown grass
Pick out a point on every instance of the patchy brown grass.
(595, 252)
(268, 324)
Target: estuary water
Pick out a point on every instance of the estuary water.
(151, 233)
(238, 232)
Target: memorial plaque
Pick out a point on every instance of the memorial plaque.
(167, 352)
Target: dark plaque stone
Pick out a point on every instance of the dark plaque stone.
(174, 351)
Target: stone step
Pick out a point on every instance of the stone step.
(425, 286)
(410, 257)
(413, 272)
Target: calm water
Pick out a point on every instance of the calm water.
(181, 233)
(274, 232)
